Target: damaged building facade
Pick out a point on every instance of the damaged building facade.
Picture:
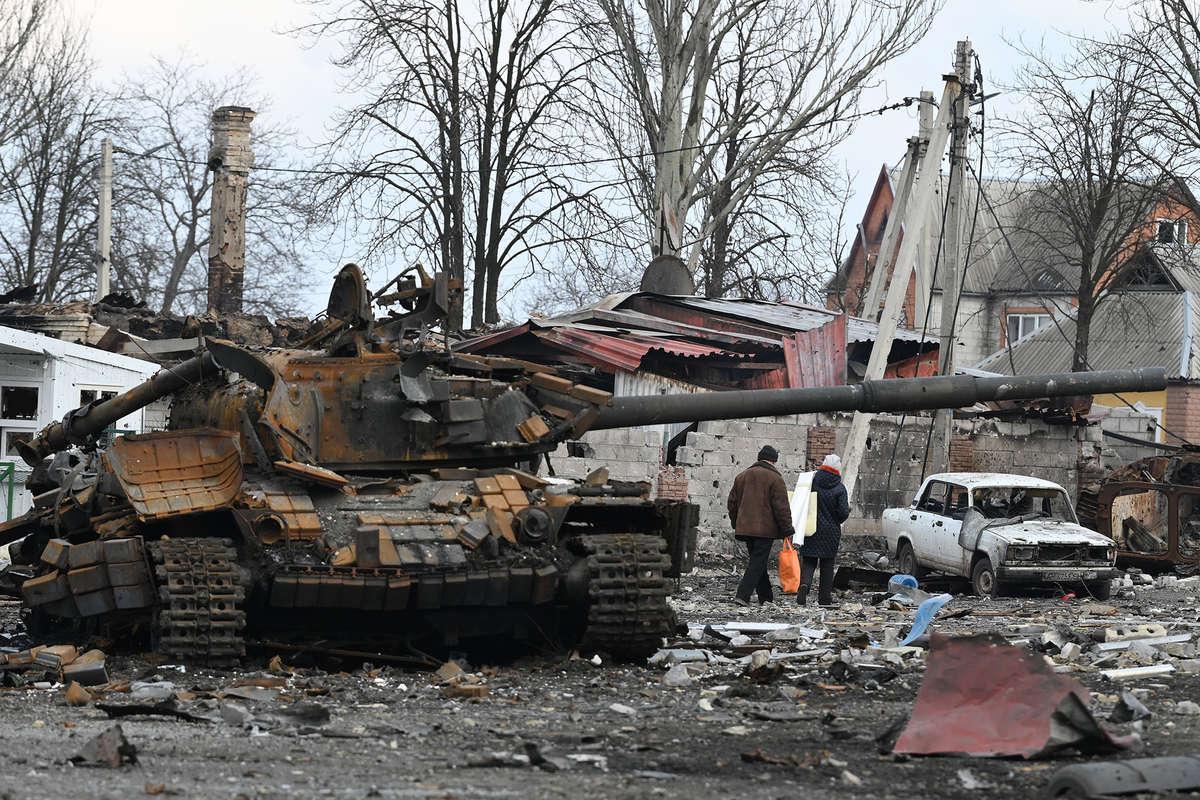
(644, 343)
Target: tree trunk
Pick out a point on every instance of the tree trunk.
(1083, 329)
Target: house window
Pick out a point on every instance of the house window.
(92, 395)
(1021, 325)
(1171, 231)
(11, 437)
(18, 402)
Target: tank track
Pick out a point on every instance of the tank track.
(200, 617)
(627, 612)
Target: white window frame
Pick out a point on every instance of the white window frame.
(1179, 232)
(94, 387)
(1020, 317)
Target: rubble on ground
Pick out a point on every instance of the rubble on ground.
(799, 698)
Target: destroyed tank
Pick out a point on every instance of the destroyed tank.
(373, 485)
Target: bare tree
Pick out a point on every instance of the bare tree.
(1163, 41)
(1093, 187)
(162, 194)
(802, 67)
(450, 154)
(47, 195)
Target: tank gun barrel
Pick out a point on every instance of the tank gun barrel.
(82, 423)
(897, 394)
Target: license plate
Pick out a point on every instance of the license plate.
(1072, 575)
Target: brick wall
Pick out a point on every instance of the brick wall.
(962, 454)
(1183, 411)
(821, 442)
(672, 484)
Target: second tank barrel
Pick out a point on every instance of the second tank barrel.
(898, 394)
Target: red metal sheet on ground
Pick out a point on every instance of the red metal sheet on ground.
(817, 357)
(983, 697)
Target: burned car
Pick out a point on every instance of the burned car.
(999, 531)
(1151, 509)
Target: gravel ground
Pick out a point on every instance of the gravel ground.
(607, 730)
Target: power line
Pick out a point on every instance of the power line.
(583, 162)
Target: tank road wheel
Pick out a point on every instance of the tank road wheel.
(627, 613)
(200, 617)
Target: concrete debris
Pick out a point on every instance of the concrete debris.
(1134, 673)
(677, 676)
(1187, 708)
(109, 749)
(1129, 709)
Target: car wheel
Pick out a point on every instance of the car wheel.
(983, 579)
(1099, 590)
(906, 561)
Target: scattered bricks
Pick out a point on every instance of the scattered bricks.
(1070, 651)
(132, 573)
(76, 695)
(86, 673)
(140, 596)
(46, 589)
(96, 603)
(86, 554)
(117, 551)
(56, 553)
(1125, 633)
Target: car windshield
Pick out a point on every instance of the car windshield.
(1004, 502)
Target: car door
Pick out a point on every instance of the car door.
(947, 528)
(924, 521)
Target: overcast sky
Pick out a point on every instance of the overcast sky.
(305, 87)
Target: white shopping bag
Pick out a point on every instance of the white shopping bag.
(804, 508)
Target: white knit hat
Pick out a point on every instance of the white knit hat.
(834, 461)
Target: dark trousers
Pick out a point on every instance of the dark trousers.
(756, 570)
(808, 566)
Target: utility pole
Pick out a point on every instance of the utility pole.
(943, 421)
(887, 249)
(104, 224)
(914, 230)
(230, 159)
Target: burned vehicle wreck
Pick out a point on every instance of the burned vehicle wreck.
(374, 485)
(999, 531)
(1151, 508)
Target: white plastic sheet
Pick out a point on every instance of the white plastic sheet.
(804, 508)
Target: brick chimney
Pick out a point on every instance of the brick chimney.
(230, 160)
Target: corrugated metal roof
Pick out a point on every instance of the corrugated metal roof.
(1133, 329)
(788, 316)
(624, 351)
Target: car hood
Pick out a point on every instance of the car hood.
(1048, 531)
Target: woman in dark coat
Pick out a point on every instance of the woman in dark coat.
(820, 549)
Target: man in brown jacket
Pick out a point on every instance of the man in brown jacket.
(760, 513)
